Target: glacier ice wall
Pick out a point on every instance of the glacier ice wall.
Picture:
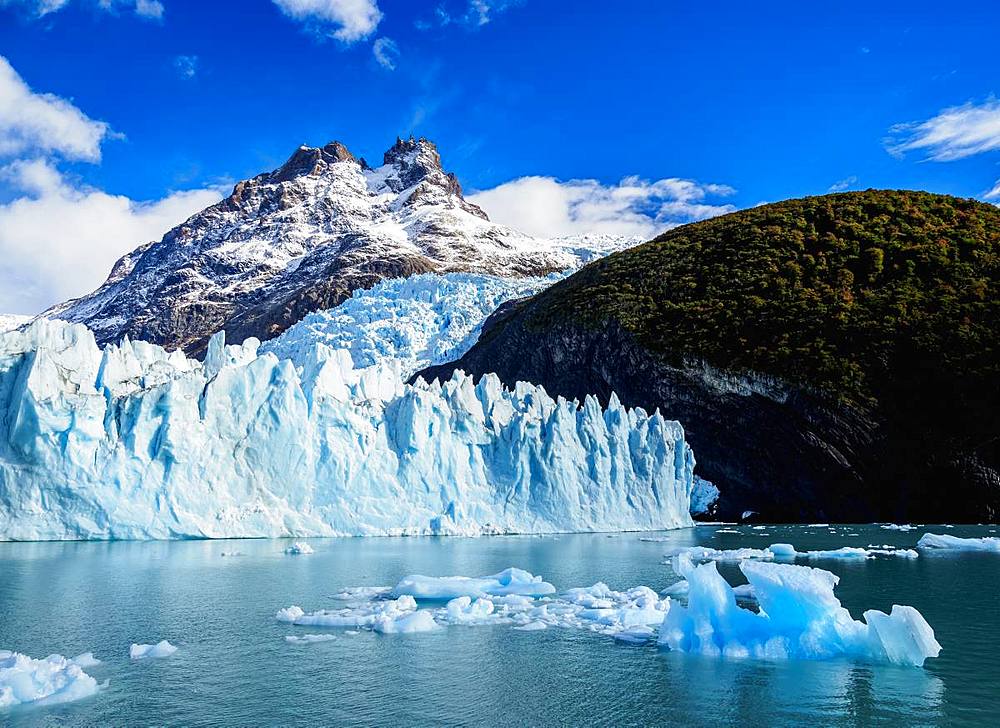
(134, 442)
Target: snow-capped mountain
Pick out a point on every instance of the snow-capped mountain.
(301, 239)
(11, 321)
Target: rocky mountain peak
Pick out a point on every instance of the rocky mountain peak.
(312, 161)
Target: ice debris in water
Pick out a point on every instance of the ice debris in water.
(897, 527)
(799, 617)
(706, 553)
(298, 548)
(784, 551)
(508, 581)
(160, 649)
(954, 543)
(55, 679)
(132, 441)
(308, 639)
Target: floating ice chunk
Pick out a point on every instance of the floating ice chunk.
(535, 626)
(636, 635)
(897, 527)
(640, 606)
(43, 682)
(463, 610)
(954, 543)
(729, 530)
(86, 660)
(420, 621)
(706, 553)
(362, 593)
(299, 548)
(850, 553)
(361, 615)
(800, 617)
(160, 649)
(508, 581)
(308, 639)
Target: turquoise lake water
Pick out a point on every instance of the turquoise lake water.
(235, 668)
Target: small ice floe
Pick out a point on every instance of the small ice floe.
(954, 543)
(55, 679)
(535, 626)
(508, 581)
(308, 639)
(800, 617)
(160, 649)
(419, 621)
(86, 660)
(362, 593)
(465, 610)
(818, 525)
(361, 615)
(897, 527)
(787, 551)
(729, 530)
(707, 553)
(299, 549)
(639, 635)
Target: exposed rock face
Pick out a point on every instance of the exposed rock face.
(785, 453)
(301, 238)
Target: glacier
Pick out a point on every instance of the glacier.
(420, 321)
(134, 442)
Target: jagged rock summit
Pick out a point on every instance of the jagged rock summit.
(300, 239)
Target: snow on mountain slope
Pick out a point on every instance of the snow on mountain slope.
(134, 442)
(10, 321)
(419, 321)
(301, 239)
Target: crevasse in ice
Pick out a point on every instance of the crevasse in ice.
(134, 442)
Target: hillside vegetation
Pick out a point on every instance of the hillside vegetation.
(883, 297)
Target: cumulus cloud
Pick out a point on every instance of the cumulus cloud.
(43, 122)
(547, 207)
(59, 239)
(955, 133)
(844, 184)
(345, 20)
(386, 53)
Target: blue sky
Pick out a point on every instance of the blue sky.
(747, 102)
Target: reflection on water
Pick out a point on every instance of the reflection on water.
(235, 668)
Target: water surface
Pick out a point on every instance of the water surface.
(235, 668)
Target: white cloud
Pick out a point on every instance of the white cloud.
(150, 9)
(993, 194)
(386, 52)
(59, 240)
(186, 66)
(546, 207)
(844, 184)
(955, 133)
(350, 20)
(32, 121)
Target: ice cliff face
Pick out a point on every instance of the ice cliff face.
(134, 442)
(301, 239)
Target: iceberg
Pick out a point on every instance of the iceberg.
(55, 679)
(160, 649)
(299, 549)
(510, 581)
(799, 617)
(955, 543)
(134, 442)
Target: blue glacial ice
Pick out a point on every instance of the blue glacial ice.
(418, 321)
(944, 542)
(55, 679)
(160, 649)
(799, 617)
(134, 442)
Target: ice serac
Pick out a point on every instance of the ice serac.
(301, 239)
(131, 441)
(800, 617)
